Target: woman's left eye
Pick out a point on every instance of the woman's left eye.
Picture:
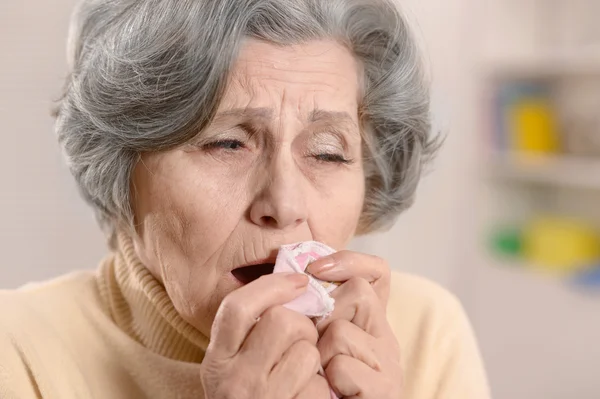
(230, 145)
(332, 158)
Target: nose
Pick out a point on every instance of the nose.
(281, 204)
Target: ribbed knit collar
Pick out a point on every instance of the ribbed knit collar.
(140, 306)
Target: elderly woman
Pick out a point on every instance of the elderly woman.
(206, 134)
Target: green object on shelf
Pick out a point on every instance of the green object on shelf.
(507, 242)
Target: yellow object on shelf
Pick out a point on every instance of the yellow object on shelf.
(560, 245)
(533, 126)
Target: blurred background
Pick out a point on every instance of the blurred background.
(508, 217)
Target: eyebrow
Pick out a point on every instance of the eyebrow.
(317, 115)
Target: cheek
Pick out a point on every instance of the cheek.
(184, 210)
(337, 210)
(186, 216)
(200, 191)
(210, 208)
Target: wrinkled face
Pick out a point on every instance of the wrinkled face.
(281, 163)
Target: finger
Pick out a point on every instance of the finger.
(344, 338)
(317, 388)
(296, 368)
(276, 331)
(344, 265)
(241, 308)
(351, 378)
(356, 302)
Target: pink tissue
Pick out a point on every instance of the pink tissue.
(316, 301)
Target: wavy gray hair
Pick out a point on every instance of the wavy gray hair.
(148, 75)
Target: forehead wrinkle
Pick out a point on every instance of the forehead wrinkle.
(321, 85)
(248, 77)
(245, 113)
(286, 71)
(250, 83)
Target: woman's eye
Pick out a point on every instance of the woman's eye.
(332, 158)
(230, 145)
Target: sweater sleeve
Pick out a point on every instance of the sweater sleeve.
(440, 356)
(461, 372)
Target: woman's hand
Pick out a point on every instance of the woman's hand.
(259, 349)
(359, 351)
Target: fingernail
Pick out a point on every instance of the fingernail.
(299, 280)
(321, 266)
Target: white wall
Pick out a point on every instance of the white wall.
(45, 229)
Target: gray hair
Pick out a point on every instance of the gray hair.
(148, 75)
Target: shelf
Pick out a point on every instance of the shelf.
(524, 269)
(566, 171)
(545, 67)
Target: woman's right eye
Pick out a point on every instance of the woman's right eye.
(230, 145)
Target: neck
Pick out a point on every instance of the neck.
(141, 307)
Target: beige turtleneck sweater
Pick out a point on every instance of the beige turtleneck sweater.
(114, 334)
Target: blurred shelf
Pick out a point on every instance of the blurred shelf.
(519, 271)
(545, 67)
(566, 171)
(521, 268)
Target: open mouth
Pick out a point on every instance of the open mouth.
(248, 274)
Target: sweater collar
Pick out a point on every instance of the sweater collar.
(141, 307)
